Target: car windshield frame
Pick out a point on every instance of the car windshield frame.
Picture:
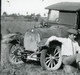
(53, 16)
(62, 17)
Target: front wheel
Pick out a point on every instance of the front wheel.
(15, 54)
(51, 59)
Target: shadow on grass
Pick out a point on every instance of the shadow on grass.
(33, 62)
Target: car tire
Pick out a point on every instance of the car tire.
(14, 56)
(49, 61)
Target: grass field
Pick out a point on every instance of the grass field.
(16, 26)
(31, 67)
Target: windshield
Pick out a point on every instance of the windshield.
(68, 18)
(53, 15)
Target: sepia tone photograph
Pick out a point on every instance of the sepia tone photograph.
(40, 37)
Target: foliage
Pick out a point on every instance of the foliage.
(31, 17)
(5, 14)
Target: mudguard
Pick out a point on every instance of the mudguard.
(51, 45)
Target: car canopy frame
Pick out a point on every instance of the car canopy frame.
(65, 6)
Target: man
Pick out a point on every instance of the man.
(70, 49)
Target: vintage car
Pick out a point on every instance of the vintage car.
(31, 45)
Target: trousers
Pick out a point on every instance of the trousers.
(68, 60)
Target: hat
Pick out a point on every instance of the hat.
(73, 31)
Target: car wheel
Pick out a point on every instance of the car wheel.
(51, 59)
(15, 54)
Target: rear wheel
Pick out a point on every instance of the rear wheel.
(15, 54)
(51, 59)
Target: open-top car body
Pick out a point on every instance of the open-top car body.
(61, 16)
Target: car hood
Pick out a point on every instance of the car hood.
(56, 30)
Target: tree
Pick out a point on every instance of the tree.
(5, 14)
(38, 16)
(44, 14)
(33, 15)
(27, 13)
(18, 14)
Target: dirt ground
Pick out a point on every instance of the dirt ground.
(29, 68)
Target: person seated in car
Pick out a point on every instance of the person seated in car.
(70, 49)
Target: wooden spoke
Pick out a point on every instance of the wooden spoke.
(47, 61)
(19, 59)
(49, 64)
(13, 57)
(55, 50)
(47, 58)
(57, 60)
(48, 54)
(13, 49)
(54, 63)
(15, 60)
(56, 53)
(57, 57)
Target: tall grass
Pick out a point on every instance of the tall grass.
(29, 68)
(16, 26)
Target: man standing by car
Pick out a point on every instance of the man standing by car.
(70, 49)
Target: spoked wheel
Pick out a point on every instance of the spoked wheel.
(51, 59)
(15, 54)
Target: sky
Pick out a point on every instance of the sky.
(30, 6)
